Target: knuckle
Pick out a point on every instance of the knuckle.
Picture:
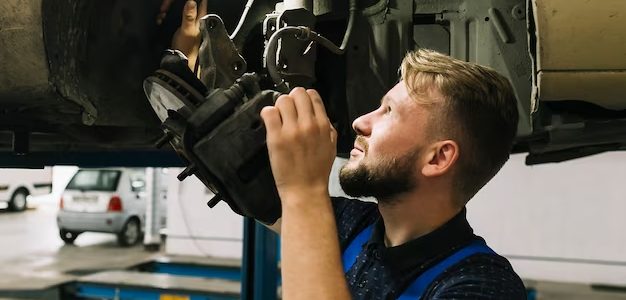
(296, 90)
(265, 111)
(268, 113)
(309, 128)
(289, 134)
(276, 141)
(314, 94)
(282, 101)
(271, 142)
(300, 98)
(324, 125)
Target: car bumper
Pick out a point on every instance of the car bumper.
(4, 195)
(99, 222)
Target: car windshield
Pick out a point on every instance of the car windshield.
(94, 180)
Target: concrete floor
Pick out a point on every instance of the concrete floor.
(33, 257)
(34, 260)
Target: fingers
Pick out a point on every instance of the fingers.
(318, 106)
(289, 115)
(300, 111)
(271, 119)
(303, 104)
(190, 14)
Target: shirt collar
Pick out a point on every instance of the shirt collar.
(419, 252)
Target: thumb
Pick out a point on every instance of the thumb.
(190, 13)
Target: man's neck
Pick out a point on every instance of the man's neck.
(415, 215)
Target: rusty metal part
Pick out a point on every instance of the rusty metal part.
(220, 62)
(219, 134)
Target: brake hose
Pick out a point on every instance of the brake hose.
(303, 33)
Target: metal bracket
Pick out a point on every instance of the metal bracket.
(220, 62)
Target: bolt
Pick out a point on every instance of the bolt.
(518, 12)
(237, 66)
(214, 200)
(186, 172)
(163, 140)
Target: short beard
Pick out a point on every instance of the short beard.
(390, 178)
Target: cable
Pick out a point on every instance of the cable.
(270, 56)
(242, 19)
(346, 36)
(304, 33)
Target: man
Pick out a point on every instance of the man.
(439, 135)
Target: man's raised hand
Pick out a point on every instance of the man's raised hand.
(301, 143)
(187, 37)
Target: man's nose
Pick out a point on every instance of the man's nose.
(362, 125)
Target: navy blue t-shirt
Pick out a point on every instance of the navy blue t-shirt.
(384, 273)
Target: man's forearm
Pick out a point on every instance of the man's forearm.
(311, 263)
(301, 144)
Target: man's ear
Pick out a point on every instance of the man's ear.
(440, 158)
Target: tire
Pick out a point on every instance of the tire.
(68, 236)
(18, 200)
(130, 234)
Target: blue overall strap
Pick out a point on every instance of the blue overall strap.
(418, 287)
(349, 255)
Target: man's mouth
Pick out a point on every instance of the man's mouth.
(360, 147)
(360, 144)
(355, 152)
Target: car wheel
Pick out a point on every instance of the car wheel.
(18, 200)
(68, 236)
(130, 234)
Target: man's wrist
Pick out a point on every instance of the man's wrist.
(309, 195)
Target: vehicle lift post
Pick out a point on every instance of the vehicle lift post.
(259, 266)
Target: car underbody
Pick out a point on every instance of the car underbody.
(71, 86)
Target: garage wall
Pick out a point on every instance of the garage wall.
(195, 229)
(560, 222)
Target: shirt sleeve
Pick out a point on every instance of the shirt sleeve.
(352, 216)
(486, 277)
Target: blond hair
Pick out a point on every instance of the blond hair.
(478, 111)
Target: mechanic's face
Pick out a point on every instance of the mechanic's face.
(384, 161)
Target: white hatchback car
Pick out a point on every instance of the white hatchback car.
(16, 185)
(104, 200)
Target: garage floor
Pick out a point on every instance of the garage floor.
(34, 260)
(42, 270)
